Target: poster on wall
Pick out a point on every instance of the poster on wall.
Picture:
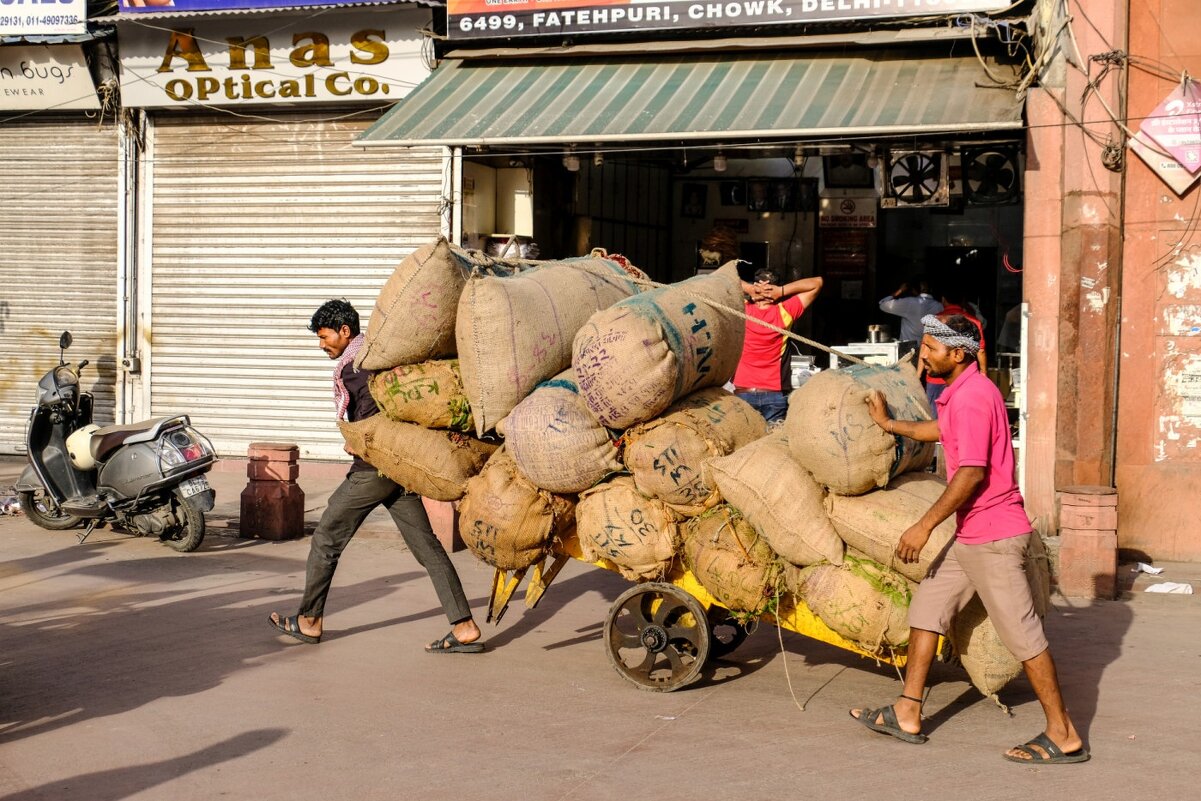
(37, 19)
(481, 19)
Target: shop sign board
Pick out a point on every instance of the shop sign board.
(249, 60)
(848, 212)
(1169, 170)
(188, 6)
(1175, 124)
(32, 18)
(481, 19)
(38, 77)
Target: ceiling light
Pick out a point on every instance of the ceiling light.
(571, 162)
(719, 162)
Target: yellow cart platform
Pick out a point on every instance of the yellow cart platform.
(659, 634)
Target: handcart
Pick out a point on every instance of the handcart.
(659, 634)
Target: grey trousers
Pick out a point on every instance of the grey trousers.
(348, 507)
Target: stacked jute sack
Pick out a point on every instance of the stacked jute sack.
(619, 433)
(456, 338)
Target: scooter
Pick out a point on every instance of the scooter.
(147, 478)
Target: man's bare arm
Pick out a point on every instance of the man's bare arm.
(966, 481)
(920, 430)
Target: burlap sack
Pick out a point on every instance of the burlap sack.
(556, 441)
(861, 600)
(731, 560)
(639, 535)
(873, 523)
(428, 394)
(414, 315)
(989, 664)
(633, 359)
(832, 435)
(508, 522)
(434, 464)
(514, 333)
(666, 455)
(779, 498)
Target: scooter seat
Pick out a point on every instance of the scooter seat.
(108, 439)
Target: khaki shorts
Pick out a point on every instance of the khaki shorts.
(997, 572)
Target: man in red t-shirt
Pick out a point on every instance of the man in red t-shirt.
(987, 556)
(758, 377)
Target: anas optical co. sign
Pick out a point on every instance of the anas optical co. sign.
(474, 19)
(247, 60)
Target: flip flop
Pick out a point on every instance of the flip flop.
(888, 725)
(1051, 753)
(450, 644)
(291, 627)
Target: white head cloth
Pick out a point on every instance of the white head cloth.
(934, 327)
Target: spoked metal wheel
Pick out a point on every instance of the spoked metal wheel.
(725, 632)
(657, 637)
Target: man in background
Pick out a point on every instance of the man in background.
(911, 302)
(758, 379)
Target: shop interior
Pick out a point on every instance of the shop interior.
(867, 217)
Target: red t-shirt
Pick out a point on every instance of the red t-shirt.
(974, 429)
(759, 367)
(948, 310)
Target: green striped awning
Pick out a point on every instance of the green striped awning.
(490, 101)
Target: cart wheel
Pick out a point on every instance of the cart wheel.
(725, 632)
(658, 636)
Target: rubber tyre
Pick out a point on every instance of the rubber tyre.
(186, 538)
(51, 521)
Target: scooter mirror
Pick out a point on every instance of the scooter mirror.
(64, 340)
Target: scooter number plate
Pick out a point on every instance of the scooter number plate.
(193, 486)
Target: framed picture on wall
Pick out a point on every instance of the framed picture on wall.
(692, 200)
(733, 193)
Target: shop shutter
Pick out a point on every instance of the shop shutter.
(254, 223)
(58, 247)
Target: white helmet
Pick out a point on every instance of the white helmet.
(79, 448)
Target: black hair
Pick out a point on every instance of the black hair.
(962, 326)
(334, 314)
(766, 274)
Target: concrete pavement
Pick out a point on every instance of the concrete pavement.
(128, 671)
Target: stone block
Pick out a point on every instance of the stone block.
(272, 510)
(259, 470)
(1088, 563)
(444, 520)
(1088, 496)
(1094, 518)
(273, 452)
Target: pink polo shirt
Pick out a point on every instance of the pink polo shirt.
(974, 429)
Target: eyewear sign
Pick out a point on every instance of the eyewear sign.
(245, 60)
(39, 77)
(186, 6)
(31, 17)
(476, 19)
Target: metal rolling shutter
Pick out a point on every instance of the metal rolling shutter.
(58, 247)
(254, 224)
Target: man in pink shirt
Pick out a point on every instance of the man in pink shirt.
(987, 556)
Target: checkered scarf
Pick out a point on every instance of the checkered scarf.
(934, 327)
(341, 395)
